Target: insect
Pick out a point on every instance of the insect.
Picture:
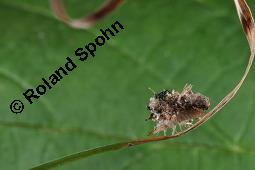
(170, 108)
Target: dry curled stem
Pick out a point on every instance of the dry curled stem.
(86, 21)
(248, 25)
(247, 22)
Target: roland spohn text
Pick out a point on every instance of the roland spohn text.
(81, 53)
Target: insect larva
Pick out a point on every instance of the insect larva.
(170, 108)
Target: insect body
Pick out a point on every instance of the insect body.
(171, 108)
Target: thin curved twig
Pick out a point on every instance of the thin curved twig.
(86, 21)
(248, 25)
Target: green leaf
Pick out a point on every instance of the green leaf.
(165, 44)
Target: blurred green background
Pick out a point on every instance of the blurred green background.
(165, 44)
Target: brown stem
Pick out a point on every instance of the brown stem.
(86, 21)
(248, 25)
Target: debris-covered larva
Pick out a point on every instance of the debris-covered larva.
(171, 108)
